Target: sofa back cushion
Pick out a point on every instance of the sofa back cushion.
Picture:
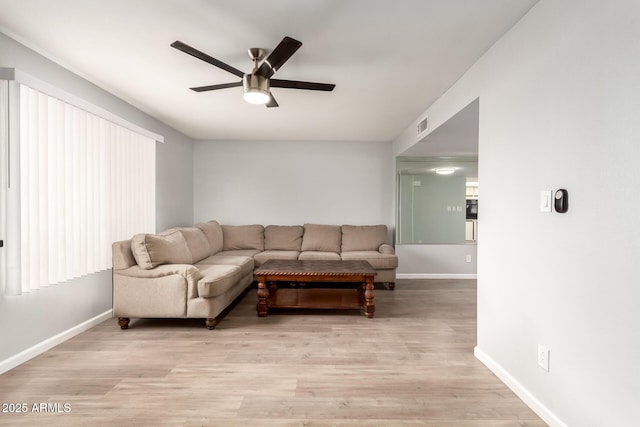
(197, 243)
(151, 250)
(321, 237)
(213, 232)
(283, 237)
(243, 237)
(363, 237)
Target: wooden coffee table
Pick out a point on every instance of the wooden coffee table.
(335, 295)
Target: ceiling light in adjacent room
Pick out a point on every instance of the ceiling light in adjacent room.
(445, 171)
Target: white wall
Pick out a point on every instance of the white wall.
(29, 320)
(239, 182)
(559, 108)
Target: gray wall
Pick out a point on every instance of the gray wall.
(28, 320)
(559, 108)
(437, 261)
(433, 211)
(269, 182)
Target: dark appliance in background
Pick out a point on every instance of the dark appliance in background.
(472, 209)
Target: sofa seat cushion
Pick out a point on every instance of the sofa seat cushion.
(376, 259)
(245, 263)
(321, 237)
(322, 255)
(263, 257)
(151, 250)
(283, 237)
(218, 279)
(363, 237)
(239, 252)
(242, 237)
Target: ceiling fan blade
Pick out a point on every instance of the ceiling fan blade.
(279, 56)
(216, 87)
(206, 58)
(294, 84)
(272, 101)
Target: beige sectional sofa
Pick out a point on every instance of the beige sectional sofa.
(197, 272)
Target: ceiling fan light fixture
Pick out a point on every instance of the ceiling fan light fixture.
(256, 89)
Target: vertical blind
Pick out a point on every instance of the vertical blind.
(4, 177)
(85, 182)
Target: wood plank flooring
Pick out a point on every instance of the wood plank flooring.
(411, 365)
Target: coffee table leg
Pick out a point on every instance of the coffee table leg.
(263, 294)
(369, 307)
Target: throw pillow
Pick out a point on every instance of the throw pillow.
(151, 250)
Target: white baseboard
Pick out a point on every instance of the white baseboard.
(30, 353)
(435, 276)
(529, 399)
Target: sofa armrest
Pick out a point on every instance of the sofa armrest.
(190, 273)
(187, 271)
(386, 249)
(122, 257)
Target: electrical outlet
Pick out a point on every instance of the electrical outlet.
(468, 258)
(543, 357)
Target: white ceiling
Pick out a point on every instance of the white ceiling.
(390, 60)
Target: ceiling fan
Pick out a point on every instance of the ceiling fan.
(257, 85)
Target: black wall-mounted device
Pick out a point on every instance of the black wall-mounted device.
(561, 201)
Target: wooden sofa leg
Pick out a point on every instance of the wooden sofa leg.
(123, 322)
(210, 323)
(392, 285)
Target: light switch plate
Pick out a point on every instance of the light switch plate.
(545, 201)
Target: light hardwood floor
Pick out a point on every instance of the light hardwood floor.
(411, 365)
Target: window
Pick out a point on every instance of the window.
(84, 182)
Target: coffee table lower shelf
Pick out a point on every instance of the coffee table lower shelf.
(332, 299)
